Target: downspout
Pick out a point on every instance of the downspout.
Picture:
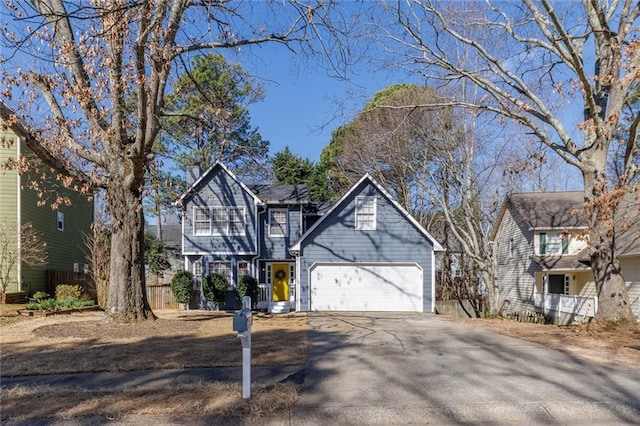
(254, 259)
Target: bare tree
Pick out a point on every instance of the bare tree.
(391, 142)
(103, 69)
(533, 61)
(27, 248)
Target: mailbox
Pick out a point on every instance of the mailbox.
(242, 324)
(242, 321)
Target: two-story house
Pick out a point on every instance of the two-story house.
(363, 253)
(541, 254)
(62, 227)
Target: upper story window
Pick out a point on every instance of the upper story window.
(543, 243)
(366, 213)
(60, 221)
(218, 221)
(277, 223)
(553, 243)
(511, 248)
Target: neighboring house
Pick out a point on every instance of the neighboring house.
(541, 254)
(171, 236)
(63, 228)
(365, 253)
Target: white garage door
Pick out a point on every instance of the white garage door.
(366, 287)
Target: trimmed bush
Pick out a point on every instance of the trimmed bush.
(214, 287)
(40, 295)
(248, 286)
(182, 286)
(68, 291)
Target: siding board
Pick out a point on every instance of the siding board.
(395, 239)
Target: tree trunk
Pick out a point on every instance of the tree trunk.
(602, 205)
(127, 295)
(611, 289)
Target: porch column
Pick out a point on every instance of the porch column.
(545, 290)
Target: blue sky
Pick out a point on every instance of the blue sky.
(303, 104)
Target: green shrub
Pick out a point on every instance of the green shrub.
(68, 291)
(52, 304)
(40, 295)
(182, 286)
(215, 287)
(248, 286)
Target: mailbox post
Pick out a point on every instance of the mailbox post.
(242, 322)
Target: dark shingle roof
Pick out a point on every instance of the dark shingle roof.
(555, 210)
(281, 194)
(549, 209)
(548, 263)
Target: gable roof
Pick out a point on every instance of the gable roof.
(548, 210)
(543, 210)
(554, 210)
(367, 177)
(192, 190)
(282, 194)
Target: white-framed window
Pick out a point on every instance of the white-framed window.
(277, 223)
(243, 269)
(236, 221)
(197, 269)
(543, 243)
(201, 221)
(566, 239)
(553, 243)
(218, 220)
(366, 213)
(221, 267)
(60, 221)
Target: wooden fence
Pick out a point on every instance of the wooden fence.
(54, 278)
(161, 297)
(455, 308)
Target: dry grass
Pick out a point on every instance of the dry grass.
(82, 342)
(222, 401)
(178, 339)
(597, 343)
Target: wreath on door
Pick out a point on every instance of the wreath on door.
(280, 274)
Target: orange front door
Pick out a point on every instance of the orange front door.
(280, 280)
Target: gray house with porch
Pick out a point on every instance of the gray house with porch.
(364, 253)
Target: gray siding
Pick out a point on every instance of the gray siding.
(515, 276)
(277, 248)
(395, 239)
(220, 189)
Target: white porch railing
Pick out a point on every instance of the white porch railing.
(577, 305)
(264, 294)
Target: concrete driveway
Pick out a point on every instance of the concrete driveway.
(417, 368)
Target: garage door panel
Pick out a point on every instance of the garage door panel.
(366, 287)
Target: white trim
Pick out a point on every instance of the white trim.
(213, 231)
(298, 285)
(180, 201)
(217, 253)
(286, 223)
(19, 219)
(436, 244)
(433, 284)
(364, 200)
(314, 265)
